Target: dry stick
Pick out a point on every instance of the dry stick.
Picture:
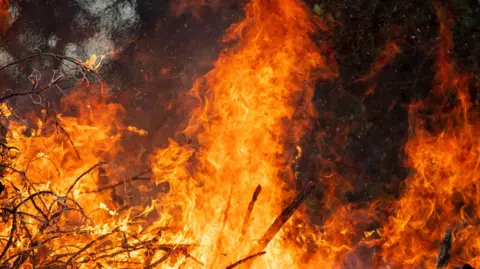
(59, 126)
(256, 193)
(188, 255)
(246, 259)
(14, 221)
(282, 219)
(444, 253)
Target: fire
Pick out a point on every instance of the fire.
(224, 191)
(93, 63)
(50, 155)
(254, 109)
(441, 193)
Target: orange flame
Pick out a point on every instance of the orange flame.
(243, 139)
(441, 194)
(255, 110)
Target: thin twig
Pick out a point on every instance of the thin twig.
(52, 83)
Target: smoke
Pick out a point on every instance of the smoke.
(114, 21)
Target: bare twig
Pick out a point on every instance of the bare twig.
(52, 83)
(83, 68)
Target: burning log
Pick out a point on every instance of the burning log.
(444, 253)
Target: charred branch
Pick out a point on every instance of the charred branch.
(444, 252)
(246, 220)
(283, 218)
(246, 259)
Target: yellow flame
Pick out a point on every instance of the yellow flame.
(92, 63)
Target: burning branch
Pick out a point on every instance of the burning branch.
(256, 193)
(283, 218)
(444, 253)
(246, 259)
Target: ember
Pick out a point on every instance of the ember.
(252, 167)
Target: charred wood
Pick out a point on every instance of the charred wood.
(444, 252)
(256, 193)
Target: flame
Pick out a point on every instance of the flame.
(253, 110)
(93, 63)
(255, 107)
(441, 194)
(5, 110)
(232, 169)
(59, 165)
